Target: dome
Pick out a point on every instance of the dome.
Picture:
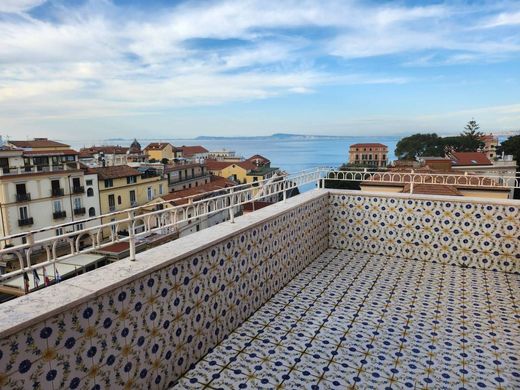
(135, 147)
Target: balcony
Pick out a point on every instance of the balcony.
(59, 214)
(329, 289)
(57, 192)
(25, 222)
(78, 189)
(23, 197)
(79, 211)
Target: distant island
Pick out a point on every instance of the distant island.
(281, 136)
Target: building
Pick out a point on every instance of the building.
(186, 176)
(395, 181)
(122, 187)
(40, 187)
(194, 153)
(104, 156)
(43, 154)
(371, 154)
(204, 191)
(160, 150)
(224, 155)
(135, 154)
(490, 145)
(254, 169)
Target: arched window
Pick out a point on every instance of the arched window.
(92, 212)
(119, 199)
(90, 192)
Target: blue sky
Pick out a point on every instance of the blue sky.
(81, 69)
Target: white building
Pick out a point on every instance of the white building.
(37, 196)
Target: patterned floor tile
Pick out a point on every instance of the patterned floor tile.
(353, 320)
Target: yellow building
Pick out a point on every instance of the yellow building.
(160, 150)
(123, 187)
(255, 168)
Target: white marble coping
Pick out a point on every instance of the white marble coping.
(442, 198)
(29, 310)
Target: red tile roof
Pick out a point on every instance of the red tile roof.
(256, 205)
(38, 143)
(190, 151)
(44, 152)
(369, 145)
(432, 189)
(158, 146)
(259, 159)
(107, 149)
(216, 165)
(216, 183)
(470, 158)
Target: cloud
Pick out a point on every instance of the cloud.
(16, 6)
(102, 59)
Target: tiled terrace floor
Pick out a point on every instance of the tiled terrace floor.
(364, 321)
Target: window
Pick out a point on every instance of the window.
(76, 182)
(79, 226)
(131, 180)
(149, 193)
(192, 172)
(77, 203)
(111, 202)
(89, 182)
(90, 192)
(160, 189)
(24, 212)
(55, 185)
(57, 206)
(92, 212)
(109, 183)
(133, 200)
(20, 189)
(59, 231)
(119, 199)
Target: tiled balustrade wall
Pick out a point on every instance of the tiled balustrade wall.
(483, 234)
(146, 332)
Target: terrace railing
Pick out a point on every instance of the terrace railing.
(165, 217)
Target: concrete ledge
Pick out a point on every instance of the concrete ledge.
(25, 311)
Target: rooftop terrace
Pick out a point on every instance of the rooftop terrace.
(331, 288)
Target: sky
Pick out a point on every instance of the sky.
(80, 69)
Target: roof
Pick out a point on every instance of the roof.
(261, 171)
(261, 159)
(217, 165)
(432, 189)
(45, 152)
(216, 183)
(40, 143)
(114, 172)
(158, 146)
(255, 205)
(470, 158)
(369, 145)
(107, 149)
(189, 151)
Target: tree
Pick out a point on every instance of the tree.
(165, 161)
(470, 140)
(419, 145)
(511, 146)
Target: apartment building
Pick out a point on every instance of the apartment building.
(161, 150)
(204, 191)
(490, 145)
(40, 187)
(372, 154)
(194, 153)
(123, 187)
(186, 176)
(255, 168)
(104, 156)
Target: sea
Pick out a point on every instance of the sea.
(291, 154)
